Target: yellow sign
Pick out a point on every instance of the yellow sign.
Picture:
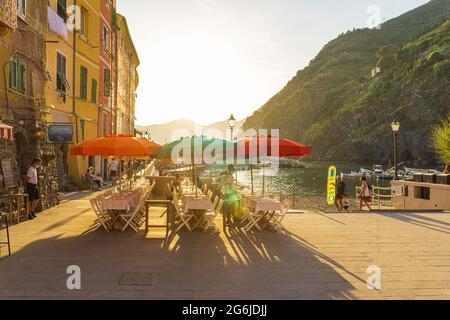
(331, 194)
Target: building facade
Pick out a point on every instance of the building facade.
(107, 77)
(23, 105)
(73, 65)
(60, 86)
(107, 8)
(128, 79)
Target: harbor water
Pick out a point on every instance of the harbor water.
(310, 181)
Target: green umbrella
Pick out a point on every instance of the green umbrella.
(196, 151)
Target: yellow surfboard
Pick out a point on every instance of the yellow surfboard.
(331, 193)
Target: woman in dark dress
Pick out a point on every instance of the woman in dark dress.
(340, 194)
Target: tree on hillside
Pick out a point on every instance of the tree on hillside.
(441, 139)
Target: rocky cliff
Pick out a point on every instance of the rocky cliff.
(344, 102)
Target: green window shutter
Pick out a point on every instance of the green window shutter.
(83, 83)
(62, 9)
(61, 84)
(94, 91)
(13, 75)
(107, 82)
(21, 77)
(105, 124)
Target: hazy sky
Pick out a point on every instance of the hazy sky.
(205, 59)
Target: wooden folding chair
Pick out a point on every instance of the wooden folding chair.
(277, 220)
(253, 220)
(216, 203)
(135, 218)
(103, 217)
(185, 218)
(210, 216)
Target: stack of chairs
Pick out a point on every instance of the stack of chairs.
(104, 219)
(133, 219)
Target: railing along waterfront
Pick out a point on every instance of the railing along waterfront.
(381, 197)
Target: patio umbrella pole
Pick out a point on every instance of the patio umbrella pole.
(251, 177)
(264, 182)
(120, 173)
(195, 181)
(131, 172)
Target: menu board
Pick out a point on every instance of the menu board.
(7, 175)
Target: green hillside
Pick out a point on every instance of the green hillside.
(342, 110)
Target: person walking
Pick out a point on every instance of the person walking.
(340, 193)
(113, 169)
(32, 187)
(366, 195)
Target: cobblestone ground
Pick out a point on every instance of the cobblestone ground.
(323, 256)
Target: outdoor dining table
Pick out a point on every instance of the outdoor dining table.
(260, 204)
(118, 204)
(121, 203)
(269, 207)
(198, 206)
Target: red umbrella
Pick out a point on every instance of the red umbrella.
(271, 147)
(258, 147)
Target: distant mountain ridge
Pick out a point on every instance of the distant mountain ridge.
(344, 101)
(167, 132)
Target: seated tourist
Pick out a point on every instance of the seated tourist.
(92, 177)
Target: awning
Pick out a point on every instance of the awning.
(6, 132)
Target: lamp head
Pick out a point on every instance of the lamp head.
(395, 126)
(232, 121)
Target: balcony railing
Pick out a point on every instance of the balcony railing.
(8, 16)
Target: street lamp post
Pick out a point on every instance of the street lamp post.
(232, 124)
(395, 129)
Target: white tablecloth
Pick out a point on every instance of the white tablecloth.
(124, 203)
(200, 203)
(264, 204)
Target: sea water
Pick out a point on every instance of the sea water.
(308, 181)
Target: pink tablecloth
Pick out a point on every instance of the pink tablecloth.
(120, 203)
(264, 204)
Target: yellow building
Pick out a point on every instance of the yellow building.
(72, 64)
(128, 79)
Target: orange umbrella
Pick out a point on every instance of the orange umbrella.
(78, 149)
(116, 145)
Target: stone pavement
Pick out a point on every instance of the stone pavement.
(324, 256)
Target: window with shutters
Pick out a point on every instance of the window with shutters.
(83, 83)
(62, 9)
(62, 85)
(17, 76)
(105, 124)
(84, 26)
(107, 82)
(94, 91)
(106, 40)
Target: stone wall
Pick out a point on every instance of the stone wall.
(26, 111)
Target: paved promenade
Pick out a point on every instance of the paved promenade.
(323, 257)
